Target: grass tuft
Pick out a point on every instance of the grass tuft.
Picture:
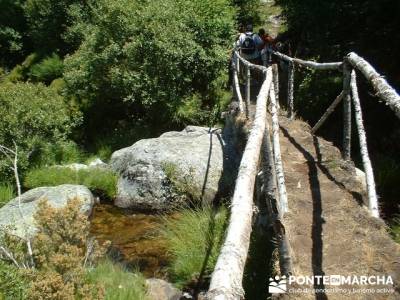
(194, 240)
(101, 181)
(119, 283)
(6, 193)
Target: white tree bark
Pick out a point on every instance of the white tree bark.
(275, 78)
(226, 280)
(328, 112)
(309, 64)
(290, 89)
(369, 175)
(280, 176)
(237, 88)
(346, 152)
(248, 87)
(380, 85)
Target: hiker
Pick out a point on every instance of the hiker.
(250, 45)
(268, 45)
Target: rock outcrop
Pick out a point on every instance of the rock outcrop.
(197, 158)
(159, 289)
(58, 196)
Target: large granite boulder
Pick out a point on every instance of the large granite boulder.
(196, 157)
(58, 196)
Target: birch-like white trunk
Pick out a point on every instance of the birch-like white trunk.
(346, 152)
(308, 63)
(369, 175)
(226, 280)
(290, 89)
(328, 112)
(380, 85)
(280, 176)
(237, 89)
(248, 87)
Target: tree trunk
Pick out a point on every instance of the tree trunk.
(346, 151)
(369, 175)
(380, 85)
(283, 202)
(290, 89)
(226, 280)
(309, 64)
(328, 112)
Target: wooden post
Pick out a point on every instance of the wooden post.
(275, 76)
(290, 89)
(248, 87)
(369, 175)
(346, 151)
(237, 90)
(381, 87)
(328, 112)
(226, 280)
(283, 202)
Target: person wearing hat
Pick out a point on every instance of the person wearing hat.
(250, 45)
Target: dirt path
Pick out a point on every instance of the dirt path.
(330, 231)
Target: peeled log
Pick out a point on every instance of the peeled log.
(380, 85)
(226, 280)
(369, 175)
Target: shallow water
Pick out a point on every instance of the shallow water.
(134, 235)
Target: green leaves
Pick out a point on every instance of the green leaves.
(151, 58)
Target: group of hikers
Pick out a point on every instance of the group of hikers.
(254, 46)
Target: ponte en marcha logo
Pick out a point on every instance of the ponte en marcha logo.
(331, 283)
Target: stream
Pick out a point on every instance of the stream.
(135, 237)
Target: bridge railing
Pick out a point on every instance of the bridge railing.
(226, 280)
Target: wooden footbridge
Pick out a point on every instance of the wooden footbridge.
(321, 226)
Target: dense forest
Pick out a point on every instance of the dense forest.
(82, 79)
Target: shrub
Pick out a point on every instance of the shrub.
(194, 240)
(62, 248)
(34, 117)
(119, 284)
(47, 69)
(6, 193)
(152, 60)
(13, 284)
(102, 181)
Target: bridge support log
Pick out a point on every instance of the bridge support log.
(226, 280)
(369, 175)
(380, 85)
(283, 202)
(346, 151)
(290, 89)
(328, 112)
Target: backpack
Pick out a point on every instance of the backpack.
(248, 45)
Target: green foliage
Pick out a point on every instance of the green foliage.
(102, 181)
(49, 21)
(119, 283)
(47, 69)
(395, 228)
(12, 29)
(6, 193)
(248, 11)
(13, 284)
(153, 61)
(35, 118)
(194, 240)
(20, 72)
